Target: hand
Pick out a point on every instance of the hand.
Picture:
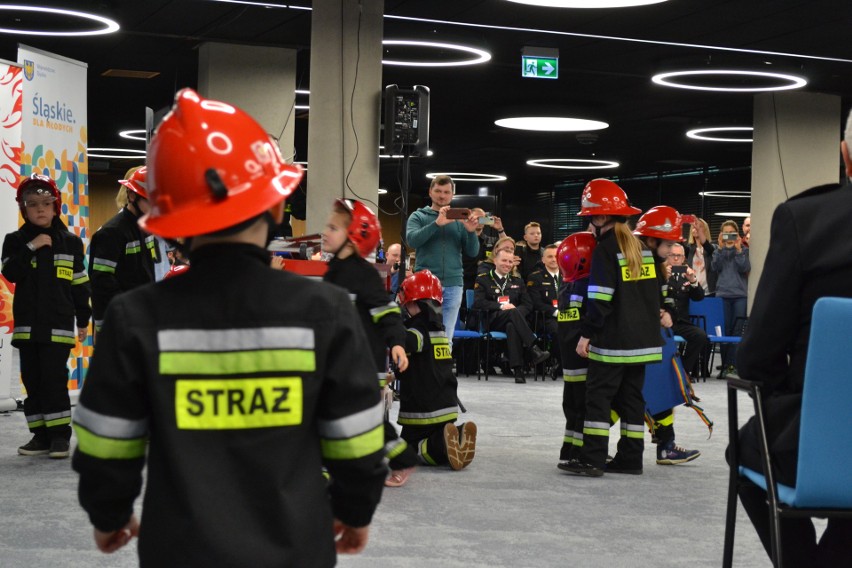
(109, 542)
(42, 241)
(583, 347)
(350, 540)
(472, 222)
(442, 217)
(738, 244)
(82, 332)
(699, 229)
(399, 357)
(516, 261)
(665, 319)
(507, 306)
(746, 239)
(690, 275)
(277, 262)
(668, 270)
(498, 224)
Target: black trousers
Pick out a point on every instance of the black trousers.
(696, 343)
(574, 372)
(44, 371)
(550, 328)
(614, 386)
(520, 336)
(427, 443)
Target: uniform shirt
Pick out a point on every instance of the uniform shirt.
(678, 294)
(623, 316)
(490, 288)
(543, 288)
(121, 257)
(245, 381)
(51, 285)
(381, 319)
(428, 388)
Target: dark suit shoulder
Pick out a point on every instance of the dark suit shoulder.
(818, 190)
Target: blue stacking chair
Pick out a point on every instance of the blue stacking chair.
(465, 334)
(487, 335)
(709, 314)
(824, 475)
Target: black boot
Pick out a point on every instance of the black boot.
(536, 355)
(519, 375)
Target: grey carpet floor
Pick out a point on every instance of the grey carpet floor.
(511, 508)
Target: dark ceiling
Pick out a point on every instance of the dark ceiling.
(599, 77)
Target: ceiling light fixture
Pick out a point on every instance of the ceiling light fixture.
(303, 164)
(588, 3)
(302, 92)
(573, 163)
(122, 153)
(133, 135)
(551, 123)
(264, 4)
(467, 176)
(731, 214)
(429, 153)
(787, 81)
(481, 55)
(726, 193)
(110, 26)
(699, 133)
(382, 191)
(301, 107)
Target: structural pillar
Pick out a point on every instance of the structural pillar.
(796, 146)
(259, 80)
(345, 104)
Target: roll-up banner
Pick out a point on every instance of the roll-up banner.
(54, 142)
(11, 103)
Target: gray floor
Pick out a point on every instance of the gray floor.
(510, 508)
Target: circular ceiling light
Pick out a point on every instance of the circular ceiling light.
(588, 3)
(785, 81)
(480, 55)
(429, 153)
(382, 191)
(117, 153)
(551, 123)
(699, 133)
(467, 176)
(303, 164)
(726, 193)
(133, 134)
(110, 26)
(731, 214)
(573, 164)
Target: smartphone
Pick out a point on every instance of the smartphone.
(486, 220)
(730, 236)
(680, 269)
(458, 213)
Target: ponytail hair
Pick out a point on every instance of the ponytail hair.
(630, 247)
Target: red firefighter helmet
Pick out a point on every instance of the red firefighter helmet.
(42, 185)
(212, 167)
(574, 255)
(176, 270)
(136, 181)
(662, 222)
(364, 230)
(422, 285)
(603, 197)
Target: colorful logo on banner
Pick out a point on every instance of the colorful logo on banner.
(54, 143)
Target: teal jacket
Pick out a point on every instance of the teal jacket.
(440, 249)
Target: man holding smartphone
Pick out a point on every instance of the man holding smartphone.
(440, 235)
(683, 287)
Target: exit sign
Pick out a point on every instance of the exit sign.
(540, 67)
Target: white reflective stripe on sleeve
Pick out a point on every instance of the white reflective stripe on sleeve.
(354, 424)
(109, 426)
(247, 339)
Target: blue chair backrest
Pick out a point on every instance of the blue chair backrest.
(468, 299)
(824, 475)
(713, 312)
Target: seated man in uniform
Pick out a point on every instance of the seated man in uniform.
(505, 298)
(682, 287)
(543, 288)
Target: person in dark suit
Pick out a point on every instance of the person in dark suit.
(810, 256)
(505, 299)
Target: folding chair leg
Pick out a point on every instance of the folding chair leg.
(730, 524)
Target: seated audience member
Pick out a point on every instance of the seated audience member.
(505, 299)
(529, 250)
(683, 287)
(543, 287)
(503, 243)
(394, 256)
(488, 236)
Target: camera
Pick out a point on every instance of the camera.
(730, 236)
(486, 220)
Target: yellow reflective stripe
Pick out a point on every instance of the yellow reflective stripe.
(666, 421)
(650, 358)
(449, 417)
(356, 447)
(57, 421)
(574, 378)
(379, 314)
(395, 448)
(423, 452)
(63, 339)
(20, 335)
(108, 448)
(244, 362)
(103, 268)
(595, 432)
(632, 434)
(81, 280)
(236, 404)
(35, 423)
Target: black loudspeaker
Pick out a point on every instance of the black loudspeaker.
(407, 119)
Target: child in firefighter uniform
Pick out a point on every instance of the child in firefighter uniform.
(235, 382)
(428, 390)
(45, 262)
(121, 255)
(574, 256)
(351, 234)
(659, 228)
(619, 334)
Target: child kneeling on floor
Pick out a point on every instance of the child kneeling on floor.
(428, 399)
